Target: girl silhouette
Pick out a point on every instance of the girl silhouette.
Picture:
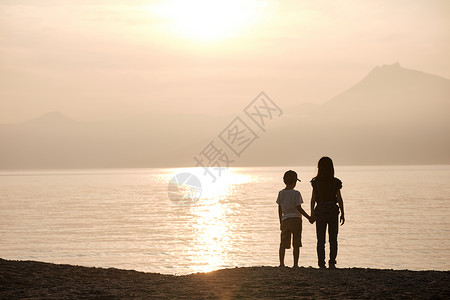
(326, 201)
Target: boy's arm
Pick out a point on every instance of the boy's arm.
(280, 214)
(300, 209)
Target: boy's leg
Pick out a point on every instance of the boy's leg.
(296, 256)
(297, 240)
(321, 227)
(281, 253)
(285, 242)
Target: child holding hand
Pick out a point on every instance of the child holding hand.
(290, 214)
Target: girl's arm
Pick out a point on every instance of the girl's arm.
(341, 206)
(313, 203)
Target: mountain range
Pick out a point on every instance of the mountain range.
(393, 115)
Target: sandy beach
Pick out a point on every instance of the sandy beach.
(38, 280)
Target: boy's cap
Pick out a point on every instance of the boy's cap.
(290, 176)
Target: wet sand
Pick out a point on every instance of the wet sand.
(38, 280)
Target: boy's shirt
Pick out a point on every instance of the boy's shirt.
(289, 200)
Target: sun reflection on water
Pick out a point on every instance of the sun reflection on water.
(208, 249)
(211, 230)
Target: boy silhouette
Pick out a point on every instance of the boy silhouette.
(290, 214)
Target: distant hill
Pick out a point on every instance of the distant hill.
(53, 140)
(54, 118)
(392, 93)
(392, 116)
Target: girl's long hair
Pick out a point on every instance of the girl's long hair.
(325, 168)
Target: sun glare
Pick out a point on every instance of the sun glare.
(207, 21)
(205, 183)
(207, 195)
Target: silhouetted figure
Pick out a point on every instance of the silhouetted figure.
(326, 201)
(289, 212)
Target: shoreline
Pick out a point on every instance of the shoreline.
(33, 279)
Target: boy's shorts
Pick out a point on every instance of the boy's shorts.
(291, 226)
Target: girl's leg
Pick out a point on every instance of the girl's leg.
(321, 227)
(333, 228)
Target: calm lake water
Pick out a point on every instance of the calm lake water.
(396, 218)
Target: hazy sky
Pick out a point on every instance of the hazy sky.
(114, 59)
